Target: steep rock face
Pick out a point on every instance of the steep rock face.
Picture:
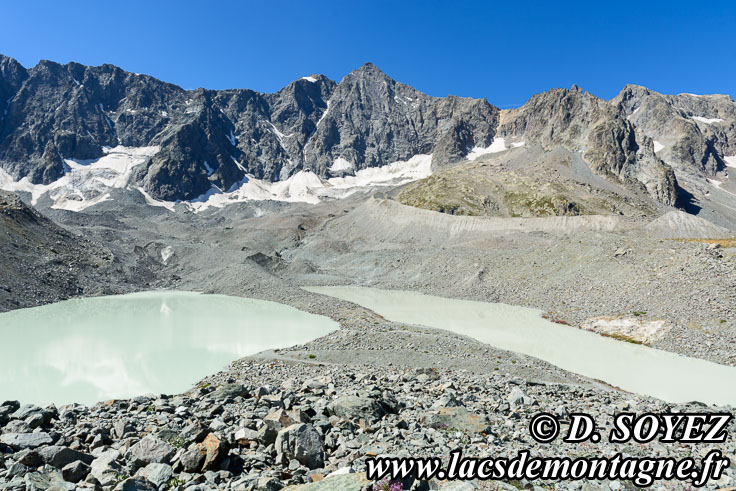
(373, 120)
(584, 123)
(210, 140)
(296, 111)
(12, 75)
(613, 150)
(558, 117)
(695, 132)
(196, 154)
(48, 115)
(72, 111)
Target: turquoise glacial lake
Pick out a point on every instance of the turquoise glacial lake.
(163, 342)
(632, 367)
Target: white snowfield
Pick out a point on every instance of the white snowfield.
(169, 205)
(89, 182)
(707, 120)
(497, 145)
(341, 164)
(86, 182)
(307, 187)
(730, 161)
(657, 146)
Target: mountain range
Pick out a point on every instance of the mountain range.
(675, 149)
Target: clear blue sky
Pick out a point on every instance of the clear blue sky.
(503, 51)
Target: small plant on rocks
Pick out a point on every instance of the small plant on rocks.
(178, 442)
(174, 482)
(386, 485)
(120, 478)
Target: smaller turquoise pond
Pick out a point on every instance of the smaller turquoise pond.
(93, 349)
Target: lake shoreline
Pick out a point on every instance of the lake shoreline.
(372, 386)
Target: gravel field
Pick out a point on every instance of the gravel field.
(373, 387)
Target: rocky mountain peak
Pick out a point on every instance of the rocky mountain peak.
(581, 122)
(368, 69)
(12, 75)
(692, 133)
(210, 140)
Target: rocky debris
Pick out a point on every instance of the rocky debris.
(75, 471)
(46, 480)
(136, 484)
(43, 262)
(300, 442)
(631, 329)
(678, 280)
(214, 451)
(229, 392)
(433, 412)
(192, 459)
(518, 397)
(344, 482)
(620, 252)
(517, 262)
(454, 418)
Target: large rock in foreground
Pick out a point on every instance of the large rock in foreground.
(357, 407)
(20, 441)
(301, 442)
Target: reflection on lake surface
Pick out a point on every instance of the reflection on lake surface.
(632, 367)
(93, 349)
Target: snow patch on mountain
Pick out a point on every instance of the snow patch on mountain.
(730, 161)
(341, 164)
(394, 174)
(309, 79)
(307, 187)
(657, 146)
(327, 109)
(497, 145)
(717, 184)
(86, 182)
(166, 253)
(707, 120)
(169, 205)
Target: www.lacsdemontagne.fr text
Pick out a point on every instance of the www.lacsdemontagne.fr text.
(641, 471)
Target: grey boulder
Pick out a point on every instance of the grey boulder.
(136, 484)
(106, 468)
(149, 450)
(59, 457)
(158, 474)
(20, 441)
(301, 442)
(356, 407)
(518, 397)
(75, 472)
